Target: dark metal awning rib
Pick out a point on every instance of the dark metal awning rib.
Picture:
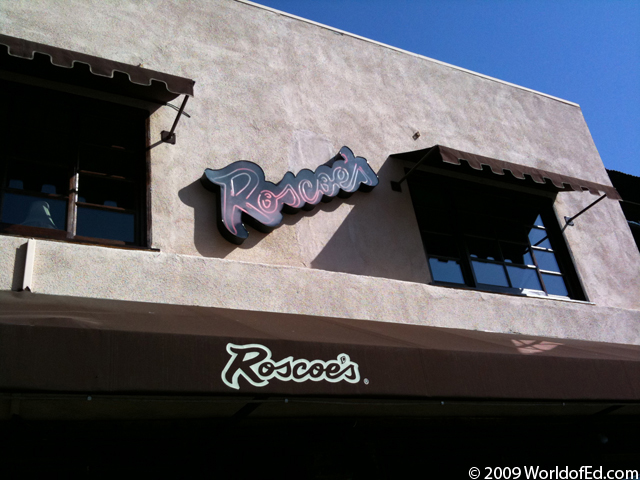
(439, 155)
(57, 64)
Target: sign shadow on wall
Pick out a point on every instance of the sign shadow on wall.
(207, 238)
(379, 237)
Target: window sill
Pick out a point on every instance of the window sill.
(512, 294)
(78, 240)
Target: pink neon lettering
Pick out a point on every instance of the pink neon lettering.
(246, 197)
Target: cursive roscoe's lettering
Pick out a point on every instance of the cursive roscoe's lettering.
(245, 195)
(254, 363)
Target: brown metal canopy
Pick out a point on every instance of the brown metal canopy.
(439, 155)
(57, 64)
(66, 344)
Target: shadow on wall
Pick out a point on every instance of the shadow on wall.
(380, 236)
(18, 268)
(209, 241)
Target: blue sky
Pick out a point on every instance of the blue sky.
(585, 51)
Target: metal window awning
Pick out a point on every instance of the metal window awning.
(445, 157)
(66, 344)
(79, 69)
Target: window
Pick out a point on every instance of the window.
(491, 238)
(71, 167)
(629, 188)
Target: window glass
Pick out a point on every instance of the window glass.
(37, 177)
(478, 225)
(555, 284)
(539, 238)
(516, 253)
(105, 191)
(512, 231)
(491, 238)
(490, 273)
(547, 260)
(33, 211)
(105, 224)
(522, 277)
(114, 162)
(440, 245)
(446, 270)
(483, 248)
(435, 220)
(57, 141)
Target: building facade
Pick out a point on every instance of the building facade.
(449, 297)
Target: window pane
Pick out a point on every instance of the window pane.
(108, 161)
(50, 133)
(538, 238)
(538, 221)
(490, 274)
(434, 220)
(478, 225)
(34, 211)
(526, 214)
(446, 270)
(103, 191)
(516, 253)
(555, 284)
(105, 224)
(512, 231)
(111, 126)
(481, 248)
(440, 245)
(38, 177)
(488, 231)
(547, 261)
(514, 211)
(427, 196)
(524, 278)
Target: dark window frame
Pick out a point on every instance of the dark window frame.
(452, 212)
(110, 114)
(629, 188)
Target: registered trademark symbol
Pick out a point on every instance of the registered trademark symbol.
(366, 381)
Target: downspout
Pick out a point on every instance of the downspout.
(27, 278)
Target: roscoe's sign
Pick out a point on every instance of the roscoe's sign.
(254, 363)
(244, 196)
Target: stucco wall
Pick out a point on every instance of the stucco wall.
(287, 94)
(91, 271)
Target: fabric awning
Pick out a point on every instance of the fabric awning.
(628, 185)
(79, 69)
(66, 344)
(439, 155)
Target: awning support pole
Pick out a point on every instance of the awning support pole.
(170, 136)
(397, 186)
(569, 220)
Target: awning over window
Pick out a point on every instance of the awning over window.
(60, 65)
(439, 155)
(66, 344)
(628, 185)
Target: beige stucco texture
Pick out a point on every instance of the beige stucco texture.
(90, 271)
(287, 94)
